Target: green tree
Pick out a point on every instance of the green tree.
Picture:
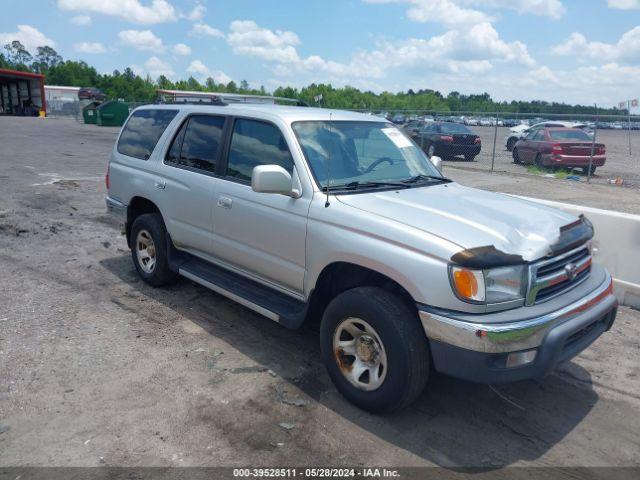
(46, 57)
(18, 54)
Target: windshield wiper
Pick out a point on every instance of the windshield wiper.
(371, 184)
(420, 177)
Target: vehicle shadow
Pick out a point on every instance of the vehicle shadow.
(454, 424)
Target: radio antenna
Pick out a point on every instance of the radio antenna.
(326, 203)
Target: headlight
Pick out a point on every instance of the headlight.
(494, 285)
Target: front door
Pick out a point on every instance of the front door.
(261, 234)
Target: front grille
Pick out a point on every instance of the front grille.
(551, 277)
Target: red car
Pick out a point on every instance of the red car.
(562, 147)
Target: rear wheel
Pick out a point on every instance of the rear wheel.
(538, 161)
(585, 170)
(374, 349)
(148, 240)
(469, 158)
(516, 156)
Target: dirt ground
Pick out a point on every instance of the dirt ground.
(97, 368)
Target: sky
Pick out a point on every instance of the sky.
(574, 51)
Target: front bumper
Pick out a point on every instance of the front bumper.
(452, 149)
(466, 347)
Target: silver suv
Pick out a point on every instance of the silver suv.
(304, 214)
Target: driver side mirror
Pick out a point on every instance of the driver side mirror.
(437, 162)
(272, 179)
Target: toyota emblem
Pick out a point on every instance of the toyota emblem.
(571, 269)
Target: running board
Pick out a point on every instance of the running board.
(260, 298)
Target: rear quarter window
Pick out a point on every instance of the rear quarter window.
(142, 132)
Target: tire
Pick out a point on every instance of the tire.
(469, 158)
(585, 170)
(538, 161)
(431, 150)
(151, 262)
(394, 335)
(511, 143)
(516, 157)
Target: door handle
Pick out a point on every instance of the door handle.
(159, 184)
(225, 202)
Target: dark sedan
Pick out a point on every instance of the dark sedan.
(448, 140)
(560, 147)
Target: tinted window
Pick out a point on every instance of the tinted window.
(256, 143)
(578, 135)
(196, 145)
(142, 132)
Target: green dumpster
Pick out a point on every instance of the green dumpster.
(112, 113)
(90, 113)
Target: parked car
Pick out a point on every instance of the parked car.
(560, 147)
(522, 130)
(91, 93)
(448, 140)
(301, 214)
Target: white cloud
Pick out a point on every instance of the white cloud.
(469, 52)
(465, 13)
(29, 36)
(90, 47)
(624, 4)
(143, 40)
(626, 50)
(548, 8)
(156, 67)
(198, 67)
(200, 70)
(159, 11)
(447, 12)
(82, 20)
(196, 14)
(204, 30)
(246, 38)
(181, 49)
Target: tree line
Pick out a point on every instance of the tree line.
(132, 87)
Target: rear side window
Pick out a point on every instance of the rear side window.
(256, 143)
(196, 145)
(143, 130)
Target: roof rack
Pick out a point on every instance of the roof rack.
(221, 98)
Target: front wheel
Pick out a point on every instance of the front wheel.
(511, 143)
(585, 170)
(431, 151)
(374, 349)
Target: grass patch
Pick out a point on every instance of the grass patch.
(560, 173)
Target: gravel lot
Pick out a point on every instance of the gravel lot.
(98, 368)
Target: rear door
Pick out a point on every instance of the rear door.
(260, 234)
(188, 180)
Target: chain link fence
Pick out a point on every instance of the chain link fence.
(597, 149)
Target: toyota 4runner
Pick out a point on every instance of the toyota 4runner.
(302, 213)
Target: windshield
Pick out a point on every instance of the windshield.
(569, 135)
(360, 151)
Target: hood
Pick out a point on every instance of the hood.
(470, 217)
(519, 128)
